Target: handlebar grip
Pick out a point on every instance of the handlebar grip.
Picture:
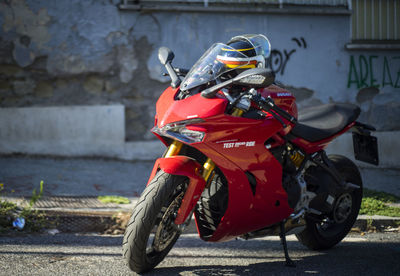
(284, 114)
(181, 71)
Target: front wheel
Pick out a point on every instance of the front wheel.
(151, 231)
(329, 232)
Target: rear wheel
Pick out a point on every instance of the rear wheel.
(151, 231)
(336, 225)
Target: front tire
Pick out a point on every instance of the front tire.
(326, 234)
(151, 231)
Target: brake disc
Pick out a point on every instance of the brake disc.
(167, 229)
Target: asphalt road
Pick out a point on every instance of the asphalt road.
(91, 254)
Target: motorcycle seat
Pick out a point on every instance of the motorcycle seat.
(320, 122)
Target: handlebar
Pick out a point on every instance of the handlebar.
(179, 71)
(268, 104)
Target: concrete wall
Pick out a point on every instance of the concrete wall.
(90, 53)
(388, 145)
(69, 130)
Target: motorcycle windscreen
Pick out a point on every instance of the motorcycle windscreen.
(220, 60)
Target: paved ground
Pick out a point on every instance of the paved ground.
(93, 177)
(90, 254)
(74, 176)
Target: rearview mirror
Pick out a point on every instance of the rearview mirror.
(165, 55)
(255, 78)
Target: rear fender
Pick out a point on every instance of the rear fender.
(183, 165)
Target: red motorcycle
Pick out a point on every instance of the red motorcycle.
(244, 161)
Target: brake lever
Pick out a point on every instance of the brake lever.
(278, 118)
(280, 111)
(267, 105)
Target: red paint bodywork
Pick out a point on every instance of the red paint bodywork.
(169, 111)
(183, 165)
(236, 145)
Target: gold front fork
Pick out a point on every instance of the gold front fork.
(174, 148)
(208, 166)
(208, 169)
(237, 112)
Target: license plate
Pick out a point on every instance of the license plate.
(366, 148)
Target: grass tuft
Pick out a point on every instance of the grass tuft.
(114, 199)
(376, 203)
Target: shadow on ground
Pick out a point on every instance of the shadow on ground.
(357, 256)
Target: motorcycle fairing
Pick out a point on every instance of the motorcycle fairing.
(170, 110)
(247, 211)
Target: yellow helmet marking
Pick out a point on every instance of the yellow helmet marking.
(240, 50)
(240, 66)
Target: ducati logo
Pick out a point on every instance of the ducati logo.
(239, 144)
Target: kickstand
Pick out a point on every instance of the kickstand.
(282, 235)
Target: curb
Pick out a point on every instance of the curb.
(378, 223)
(83, 214)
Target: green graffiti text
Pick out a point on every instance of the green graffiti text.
(374, 71)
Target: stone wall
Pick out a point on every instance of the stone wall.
(56, 53)
(88, 52)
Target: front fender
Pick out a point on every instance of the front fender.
(183, 165)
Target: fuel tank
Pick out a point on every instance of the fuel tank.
(282, 98)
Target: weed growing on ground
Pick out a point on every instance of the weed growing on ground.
(35, 197)
(35, 220)
(376, 203)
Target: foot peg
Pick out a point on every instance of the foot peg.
(282, 235)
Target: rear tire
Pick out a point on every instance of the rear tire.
(151, 231)
(327, 234)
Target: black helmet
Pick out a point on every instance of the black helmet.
(245, 51)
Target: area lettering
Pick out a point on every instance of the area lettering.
(374, 71)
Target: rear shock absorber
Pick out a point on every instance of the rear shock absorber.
(296, 156)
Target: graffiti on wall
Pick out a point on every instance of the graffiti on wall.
(279, 59)
(374, 71)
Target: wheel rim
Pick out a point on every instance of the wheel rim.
(336, 222)
(165, 232)
(342, 208)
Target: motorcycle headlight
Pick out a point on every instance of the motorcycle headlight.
(178, 130)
